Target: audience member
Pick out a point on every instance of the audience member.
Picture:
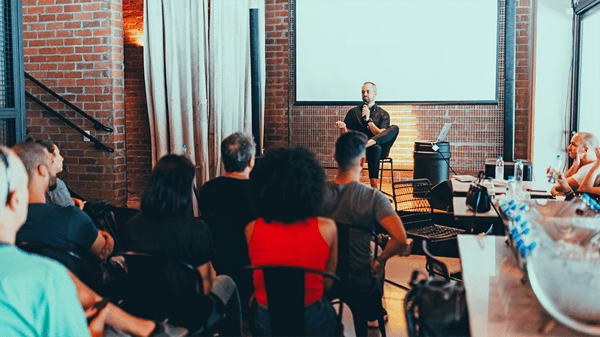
(287, 191)
(581, 150)
(58, 194)
(66, 227)
(226, 208)
(37, 297)
(591, 183)
(349, 201)
(166, 226)
(373, 121)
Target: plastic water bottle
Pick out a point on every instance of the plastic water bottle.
(553, 171)
(184, 150)
(511, 189)
(499, 169)
(519, 175)
(582, 206)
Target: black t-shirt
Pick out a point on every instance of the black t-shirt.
(225, 205)
(66, 227)
(354, 120)
(183, 239)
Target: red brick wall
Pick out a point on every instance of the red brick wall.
(137, 129)
(523, 80)
(477, 132)
(76, 49)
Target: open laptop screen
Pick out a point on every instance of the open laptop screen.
(444, 132)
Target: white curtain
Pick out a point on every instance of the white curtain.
(194, 89)
(230, 82)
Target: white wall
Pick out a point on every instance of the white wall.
(552, 83)
(589, 99)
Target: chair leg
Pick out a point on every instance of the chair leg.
(382, 326)
(380, 173)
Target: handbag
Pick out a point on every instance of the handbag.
(436, 307)
(478, 199)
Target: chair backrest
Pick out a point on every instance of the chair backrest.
(344, 249)
(436, 268)
(158, 287)
(284, 286)
(87, 269)
(412, 202)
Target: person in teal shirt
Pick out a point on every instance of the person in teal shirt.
(37, 296)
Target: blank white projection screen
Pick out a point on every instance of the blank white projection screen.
(414, 50)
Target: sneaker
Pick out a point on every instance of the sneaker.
(375, 324)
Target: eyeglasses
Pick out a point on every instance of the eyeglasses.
(5, 160)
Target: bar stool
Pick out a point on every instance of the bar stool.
(382, 161)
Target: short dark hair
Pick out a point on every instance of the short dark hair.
(33, 155)
(47, 144)
(236, 151)
(349, 148)
(287, 185)
(169, 193)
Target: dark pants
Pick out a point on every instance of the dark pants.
(384, 141)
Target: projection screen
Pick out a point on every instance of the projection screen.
(416, 51)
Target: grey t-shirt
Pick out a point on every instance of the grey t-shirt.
(60, 195)
(360, 205)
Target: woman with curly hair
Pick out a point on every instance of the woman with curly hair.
(287, 190)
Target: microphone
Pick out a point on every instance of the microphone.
(365, 104)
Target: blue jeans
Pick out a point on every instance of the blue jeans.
(225, 289)
(319, 318)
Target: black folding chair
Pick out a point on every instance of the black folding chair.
(284, 286)
(158, 288)
(416, 212)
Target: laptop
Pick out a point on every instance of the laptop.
(444, 132)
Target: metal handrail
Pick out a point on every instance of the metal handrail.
(97, 144)
(97, 124)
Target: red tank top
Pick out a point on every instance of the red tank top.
(299, 245)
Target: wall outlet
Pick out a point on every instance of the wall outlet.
(86, 139)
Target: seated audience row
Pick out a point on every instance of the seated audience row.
(39, 297)
(583, 175)
(281, 212)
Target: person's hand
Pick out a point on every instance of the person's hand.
(406, 249)
(577, 160)
(79, 203)
(96, 326)
(597, 151)
(376, 269)
(366, 113)
(564, 184)
(109, 245)
(340, 124)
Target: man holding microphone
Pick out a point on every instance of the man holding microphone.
(373, 121)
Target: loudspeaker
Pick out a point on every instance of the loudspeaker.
(440, 196)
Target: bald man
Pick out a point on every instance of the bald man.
(37, 297)
(374, 122)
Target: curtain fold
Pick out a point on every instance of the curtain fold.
(198, 83)
(175, 69)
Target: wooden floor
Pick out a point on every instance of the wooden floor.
(398, 270)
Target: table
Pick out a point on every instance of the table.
(498, 303)
(535, 189)
(462, 214)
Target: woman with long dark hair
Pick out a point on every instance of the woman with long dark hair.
(287, 190)
(167, 227)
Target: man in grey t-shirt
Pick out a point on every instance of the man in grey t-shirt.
(349, 201)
